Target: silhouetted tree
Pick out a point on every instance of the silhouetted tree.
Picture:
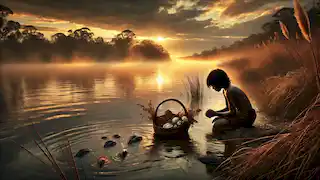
(83, 34)
(10, 28)
(149, 50)
(32, 45)
(122, 43)
(4, 12)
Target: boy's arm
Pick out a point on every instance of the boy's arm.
(226, 108)
(230, 110)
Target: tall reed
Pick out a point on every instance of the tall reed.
(194, 91)
(54, 165)
(296, 154)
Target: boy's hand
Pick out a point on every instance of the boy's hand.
(210, 113)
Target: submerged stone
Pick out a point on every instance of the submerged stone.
(210, 159)
(169, 149)
(134, 139)
(117, 136)
(109, 144)
(82, 152)
(104, 137)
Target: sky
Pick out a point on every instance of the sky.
(183, 27)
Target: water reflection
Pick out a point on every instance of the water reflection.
(172, 148)
(86, 103)
(125, 84)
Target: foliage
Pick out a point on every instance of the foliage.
(80, 43)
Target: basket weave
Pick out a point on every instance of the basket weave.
(180, 131)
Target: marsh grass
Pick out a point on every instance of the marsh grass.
(284, 76)
(194, 91)
(49, 157)
(294, 155)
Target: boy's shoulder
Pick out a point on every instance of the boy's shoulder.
(233, 89)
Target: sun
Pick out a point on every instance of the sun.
(160, 38)
(160, 80)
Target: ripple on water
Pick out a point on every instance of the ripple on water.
(148, 157)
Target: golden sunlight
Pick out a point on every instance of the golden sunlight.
(160, 80)
(160, 38)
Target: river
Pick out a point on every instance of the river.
(83, 102)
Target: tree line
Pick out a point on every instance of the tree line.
(25, 43)
(271, 31)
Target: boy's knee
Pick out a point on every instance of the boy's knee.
(220, 125)
(220, 122)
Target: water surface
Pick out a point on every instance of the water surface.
(84, 102)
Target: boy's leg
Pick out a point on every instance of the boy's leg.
(221, 124)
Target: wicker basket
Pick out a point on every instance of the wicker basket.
(182, 130)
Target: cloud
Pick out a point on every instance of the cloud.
(142, 16)
(43, 28)
(186, 19)
(239, 7)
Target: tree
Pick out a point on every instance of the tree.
(11, 26)
(122, 43)
(31, 33)
(83, 34)
(56, 38)
(5, 11)
(2, 21)
(29, 42)
(149, 50)
(99, 40)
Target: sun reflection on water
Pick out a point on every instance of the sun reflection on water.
(160, 81)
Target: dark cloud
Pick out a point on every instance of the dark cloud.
(146, 17)
(43, 28)
(139, 15)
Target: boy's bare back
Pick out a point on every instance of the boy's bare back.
(238, 100)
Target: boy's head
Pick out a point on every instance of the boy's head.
(218, 79)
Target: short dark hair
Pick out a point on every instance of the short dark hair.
(218, 78)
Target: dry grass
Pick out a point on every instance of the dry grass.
(290, 156)
(45, 150)
(279, 83)
(290, 94)
(284, 76)
(284, 30)
(150, 110)
(294, 155)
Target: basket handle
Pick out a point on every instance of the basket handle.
(179, 102)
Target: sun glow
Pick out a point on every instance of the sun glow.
(160, 80)
(160, 38)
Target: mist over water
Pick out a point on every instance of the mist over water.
(84, 102)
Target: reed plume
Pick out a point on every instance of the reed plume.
(302, 20)
(284, 30)
(194, 91)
